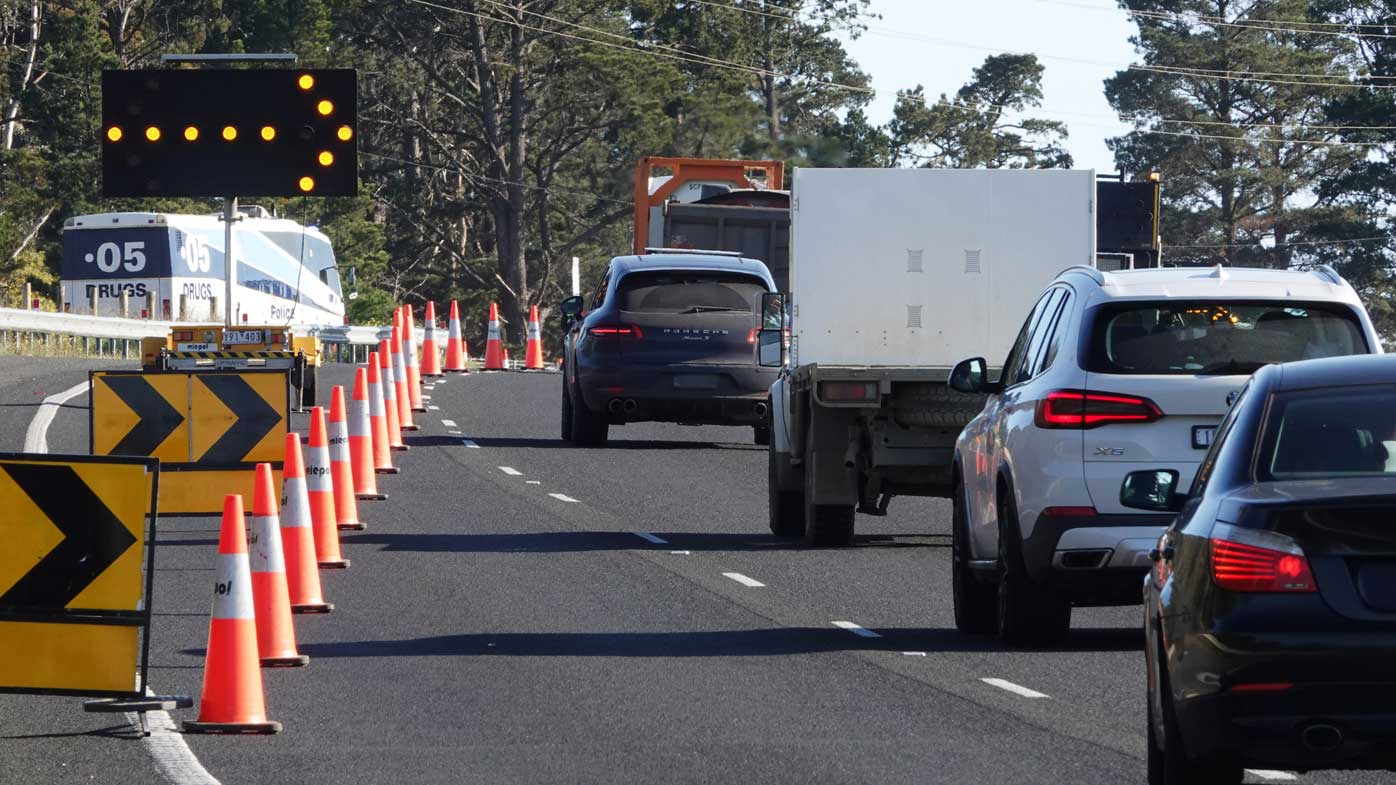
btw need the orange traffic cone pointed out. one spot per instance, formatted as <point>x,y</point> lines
<point>456,351</point>
<point>297,536</point>
<point>404,400</point>
<point>494,348</point>
<point>319,486</point>
<point>276,636</point>
<point>533,352</point>
<point>378,418</point>
<point>431,353</point>
<point>389,387</point>
<point>361,441</point>
<point>409,358</point>
<point>346,508</point>
<point>232,695</point>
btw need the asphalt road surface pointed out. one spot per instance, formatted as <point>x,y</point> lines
<point>520,611</point>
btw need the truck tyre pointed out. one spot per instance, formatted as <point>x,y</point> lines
<point>566,412</point>
<point>933,405</point>
<point>588,428</point>
<point>826,525</point>
<point>786,509</point>
<point>1029,615</point>
<point>761,434</point>
<point>976,604</point>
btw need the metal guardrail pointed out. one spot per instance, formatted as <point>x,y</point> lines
<point>35,332</point>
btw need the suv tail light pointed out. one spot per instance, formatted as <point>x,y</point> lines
<point>615,331</point>
<point>1252,567</point>
<point>1081,409</point>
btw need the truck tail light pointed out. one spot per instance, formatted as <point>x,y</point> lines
<point>844,392</point>
<point>1239,566</point>
<point>184,335</point>
<point>1081,409</point>
<point>615,331</point>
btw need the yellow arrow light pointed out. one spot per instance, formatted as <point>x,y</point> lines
<point>229,133</point>
<point>114,134</point>
<point>191,133</point>
<point>326,158</point>
<point>305,82</point>
<point>152,133</point>
<point>325,107</point>
<point>268,133</point>
<point>306,184</point>
<point>345,133</point>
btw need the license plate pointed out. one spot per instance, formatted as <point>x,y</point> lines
<point>1203,435</point>
<point>195,347</point>
<point>696,381</point>
<point>242,337</point>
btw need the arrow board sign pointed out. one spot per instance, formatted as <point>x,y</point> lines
<point>203,418</point>
<point>74,572</point>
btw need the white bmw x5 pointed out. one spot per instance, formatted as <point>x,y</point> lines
<point>1113,372</point>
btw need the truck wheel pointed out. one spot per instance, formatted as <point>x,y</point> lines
<point>588,429</point>
<point>976,604</point>
<point>566,412</point>
<point>932,405</point>
<point>785,508</point>
<point>826,525</point>
<point>1029,615</point>
<point>761,434</point>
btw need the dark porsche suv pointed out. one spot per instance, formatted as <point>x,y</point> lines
<point>668,337</point>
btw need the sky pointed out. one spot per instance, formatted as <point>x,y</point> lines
<point>937,43</point>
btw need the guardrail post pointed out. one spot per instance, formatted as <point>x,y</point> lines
<point>125,304</point>
<point>92,299</point>
<point>184,307</point>
<point>28,296</point>
<point>150,305</point>
<point>60,297</point>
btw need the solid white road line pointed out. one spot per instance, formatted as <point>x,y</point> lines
<point>856,629</point>
<point>449,423</point>
<point>743,580</point>
<point>1277,776</point>
<point>511,471</point>
<point>431,407</point>
<point>562,497</point>
<point>36,438</point>
<point>426,397</point>
<point>651,538</point>
<point>1016,689</point>
<point>165,744</point>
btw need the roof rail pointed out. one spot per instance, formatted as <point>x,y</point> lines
<point>694,252</point>
<point>1327,271</point>
<point>1086,270</point>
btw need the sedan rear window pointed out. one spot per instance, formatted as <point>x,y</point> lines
<point>677,291</point>
<point>1218,337</point>
<point>1337,432</point>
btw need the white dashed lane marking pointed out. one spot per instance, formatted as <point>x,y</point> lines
<point>1016,689</point>
<point>856,629</point>
<point>1275,776</point>
<point>562,497</point>
<point>533,482</point>
<point>651,538</point>
<point>449,423</point>
<point>511,471</point>
<point>744,580</point>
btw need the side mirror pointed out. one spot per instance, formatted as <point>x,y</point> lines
<point>972,377</point>
<point>1154,490</point>
<point>772,311</point>
<point>770,338</point>
<point>571,308</point>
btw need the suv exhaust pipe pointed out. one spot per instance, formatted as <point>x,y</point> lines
<point>1321,737</point>
<point>759,408</point>
<point>614,406</point>
<point>630,406</point>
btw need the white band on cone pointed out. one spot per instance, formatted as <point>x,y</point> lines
<point>358,418</point>
<point>494,331</point>
<point>375,400</point>
<point>232,588</point>
<point>317,469</point>
<point>295,504</point>
<point>264,544</point>
<point>339,443</point>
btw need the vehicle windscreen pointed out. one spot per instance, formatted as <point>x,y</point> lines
<point>1198,337</point>
<point>679,291</point>
<point>1340,432</point>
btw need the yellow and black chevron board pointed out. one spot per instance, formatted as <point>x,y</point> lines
<point>208,428</point>
<point>75,573</point>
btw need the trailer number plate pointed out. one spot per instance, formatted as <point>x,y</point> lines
<point>231,337</point>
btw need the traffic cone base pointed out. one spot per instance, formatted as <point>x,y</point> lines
<point>312,608</point>
<point>372,497</point>
<point>297,534</point>
<point>385,470</point>
<point>337,564</point>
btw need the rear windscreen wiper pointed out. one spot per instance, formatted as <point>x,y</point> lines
<point>708,309</point>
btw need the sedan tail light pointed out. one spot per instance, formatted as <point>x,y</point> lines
<point>1080,409</point>
<point>615,331</point>
<point>1249,567</point>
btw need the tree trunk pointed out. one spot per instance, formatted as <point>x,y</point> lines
<point>12,111</point>
<point>512,267</point>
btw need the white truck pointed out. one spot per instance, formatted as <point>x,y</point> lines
<point>897,274</point>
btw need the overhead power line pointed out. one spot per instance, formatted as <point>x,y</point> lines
<point>1349,241</point>
<point>484,178</point>
<point>673,53</point>
<point>1262,25</point>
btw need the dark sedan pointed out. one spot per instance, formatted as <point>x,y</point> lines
<point>1270,613</point>
<point>668,337</point>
